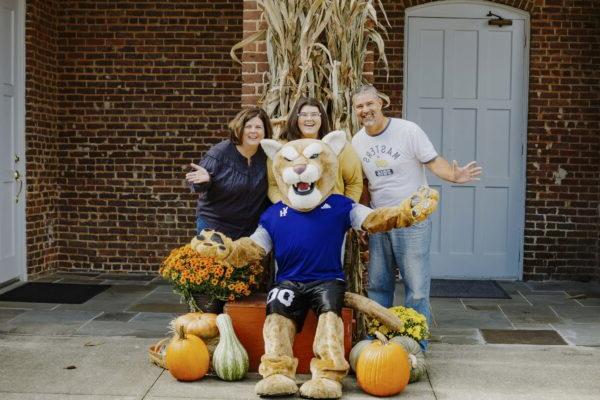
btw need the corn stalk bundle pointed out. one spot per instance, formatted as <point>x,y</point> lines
<point>353,27</point>
<point>316,48</point>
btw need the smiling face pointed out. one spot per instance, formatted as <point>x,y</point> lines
<point>305,169</point>
<point>367,107</point>
<point>254,132</point>
<point>309,121</point>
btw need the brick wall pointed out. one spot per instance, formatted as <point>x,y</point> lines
<point>124,94</point>
<point>564,134</point>
<point>562,223</point>
<point>41,135</point>
<point>253,56</point>
<point>144,88</point>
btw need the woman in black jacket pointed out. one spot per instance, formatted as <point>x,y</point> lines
<point>231,178</point>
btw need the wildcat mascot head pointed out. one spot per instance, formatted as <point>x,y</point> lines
<point>305,169</point>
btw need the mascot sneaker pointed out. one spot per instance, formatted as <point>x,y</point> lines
<point>275,386</point>
<point>321,388</point>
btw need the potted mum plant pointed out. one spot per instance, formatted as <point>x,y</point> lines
<point>206,284</point>
<point>415,325</point>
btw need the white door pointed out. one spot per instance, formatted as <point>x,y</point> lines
<point>464,87</point>
<point>12,163</point>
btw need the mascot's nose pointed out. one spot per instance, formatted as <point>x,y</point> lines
<point>300,168</point>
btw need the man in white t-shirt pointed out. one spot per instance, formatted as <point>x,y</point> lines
<point>394,153</point>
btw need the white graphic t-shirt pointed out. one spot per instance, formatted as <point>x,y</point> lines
<point>393,161</point>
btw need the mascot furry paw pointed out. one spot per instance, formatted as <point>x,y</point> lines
<point>306,232</point>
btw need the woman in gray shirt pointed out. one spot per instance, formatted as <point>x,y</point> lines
<point>231,178</point>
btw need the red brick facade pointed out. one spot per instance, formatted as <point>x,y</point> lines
<point>126,94</point>
<point>122,95</point>
<point>42,136</point>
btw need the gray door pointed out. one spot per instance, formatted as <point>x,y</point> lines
<point>12,212</point>
<point>464,88</point>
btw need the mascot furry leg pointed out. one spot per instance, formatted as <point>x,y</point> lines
<point>329,365</point>
<point>278,364</point>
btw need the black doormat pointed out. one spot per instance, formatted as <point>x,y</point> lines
<point>467,289</point>
<point>521,336</point>
<point>44,292</point>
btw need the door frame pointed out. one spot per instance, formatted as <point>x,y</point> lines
<point>21,225</point>
<point>477,9</point>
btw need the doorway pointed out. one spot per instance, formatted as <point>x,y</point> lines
<point>12,138</point>
<point>466,86</point>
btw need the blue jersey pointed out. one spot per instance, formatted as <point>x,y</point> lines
<point>308,245</point>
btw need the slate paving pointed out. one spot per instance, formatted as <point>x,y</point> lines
<point>6,314</point>
<point>142,325</point>
<point>52,323</point>
<point>522,315</point>
<point>142,306</point>
<point>115,298</point>
<point>577,314</point>
<point>579,334</point>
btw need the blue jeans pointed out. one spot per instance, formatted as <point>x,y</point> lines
<point>200,224</point>
<point>407,249</point>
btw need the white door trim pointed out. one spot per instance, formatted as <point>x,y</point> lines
<point>479,9</point>
<point>464,9</point>
<point>19,121</point>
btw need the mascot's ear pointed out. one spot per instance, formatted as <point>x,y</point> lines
<point>270,147</point>
<point>336,140</point>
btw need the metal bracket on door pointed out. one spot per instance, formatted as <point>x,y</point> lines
<point>498,21</point>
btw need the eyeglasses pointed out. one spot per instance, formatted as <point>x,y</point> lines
<point>309,115</point>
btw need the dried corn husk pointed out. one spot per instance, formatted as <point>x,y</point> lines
<point>317,48</point>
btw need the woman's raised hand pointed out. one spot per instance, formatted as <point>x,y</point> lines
<point>198,175</point>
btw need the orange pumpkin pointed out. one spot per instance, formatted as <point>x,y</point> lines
<point>187,357</point>
<point>383,368</point>
<point>203,325</point>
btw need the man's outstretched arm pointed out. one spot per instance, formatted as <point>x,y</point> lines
<point>454,173</point>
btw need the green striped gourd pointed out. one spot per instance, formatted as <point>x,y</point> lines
<point>230,359</point>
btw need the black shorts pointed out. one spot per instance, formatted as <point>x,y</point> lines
<point>293,299</point>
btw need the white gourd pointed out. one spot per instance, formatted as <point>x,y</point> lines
<point>230,359</point>
<point>355,352</point>
<point>416,354</point>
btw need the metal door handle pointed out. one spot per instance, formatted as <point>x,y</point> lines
<point>18,179</point>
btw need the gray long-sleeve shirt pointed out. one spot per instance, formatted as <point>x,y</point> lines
<point>236,195</point>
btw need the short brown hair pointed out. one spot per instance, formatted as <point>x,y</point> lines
<point>368,88</point>
<point>292,132</point>
<point>236,126</point>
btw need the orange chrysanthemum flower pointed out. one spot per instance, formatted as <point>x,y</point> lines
<point>190,272</point>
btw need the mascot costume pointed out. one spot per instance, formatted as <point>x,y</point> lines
<point>306,231</point>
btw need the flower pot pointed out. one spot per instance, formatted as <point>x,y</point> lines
<point>207,303</point>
